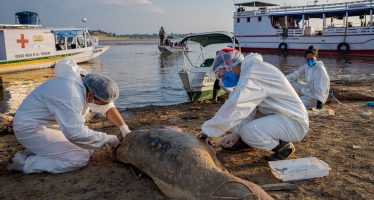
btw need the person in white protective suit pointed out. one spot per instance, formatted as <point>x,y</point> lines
<point>218,83</point>
<point>50,122</point>
<point>315,90</point>
<point>264,111</point>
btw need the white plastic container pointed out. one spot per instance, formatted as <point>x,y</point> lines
<point>298,169</point>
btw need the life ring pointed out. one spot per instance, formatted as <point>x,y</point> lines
<point>343,48</point>
<point>282,47</point>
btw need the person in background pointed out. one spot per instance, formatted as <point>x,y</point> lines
<point>311,81</point>
<point>167,42</point>
<point>264,111</point>
<point>162,35</point>
<point>50,121</point>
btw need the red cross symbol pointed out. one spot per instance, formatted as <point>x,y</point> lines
<point>23,41</point>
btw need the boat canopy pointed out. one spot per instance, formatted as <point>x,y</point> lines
<point>67,33</point>
<point>205,39</point>
<point>255,4</point>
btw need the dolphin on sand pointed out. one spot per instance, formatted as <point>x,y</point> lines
<point>183,166</point>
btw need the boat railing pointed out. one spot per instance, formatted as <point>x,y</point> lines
<point>290,32</point>
<point>350,30</point>
<point>308,9</point>
<point>19,26</point>
<point>328,31</point>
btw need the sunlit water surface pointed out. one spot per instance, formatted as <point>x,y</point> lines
<point>146,77</point>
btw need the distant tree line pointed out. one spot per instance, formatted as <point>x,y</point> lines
<point>137,35</point>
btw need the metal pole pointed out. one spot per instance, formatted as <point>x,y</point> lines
<point>85,39</point>
<point>346,19</point>
<point>303,20</point>
<point>324,20</point>
<point>285,22</point>
<point>346,27</point>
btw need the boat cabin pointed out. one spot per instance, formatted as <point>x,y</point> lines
<point>19,41</point>
<point>72,39</point>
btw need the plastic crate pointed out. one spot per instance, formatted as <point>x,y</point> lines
<point>298,169</point>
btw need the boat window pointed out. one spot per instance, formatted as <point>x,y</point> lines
<point>248,19</point>
<point>263,10</point>
<point>80,41</point>
<point>60,43</point>
<point>277,22</point>
<point>237,20</point>
<point>70,43</point>
<point>241,9</point>
<point>259,18</point>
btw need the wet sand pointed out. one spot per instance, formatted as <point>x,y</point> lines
<point>344,141</point>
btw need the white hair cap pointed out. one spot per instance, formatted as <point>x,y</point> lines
<point>103,88</point>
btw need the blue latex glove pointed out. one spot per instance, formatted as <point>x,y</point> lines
<point>319,105</point>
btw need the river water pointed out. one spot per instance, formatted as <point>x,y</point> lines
<point>146,77</point>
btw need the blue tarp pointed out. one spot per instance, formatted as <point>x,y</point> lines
<point>67,33</point>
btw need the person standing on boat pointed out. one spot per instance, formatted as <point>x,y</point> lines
<point>50,121</point>
<point>264,111</point>
<point>162,35</point>
<point>315,90</point>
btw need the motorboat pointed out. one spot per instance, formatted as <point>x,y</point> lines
<point>170,47</point>
<point>196,79</point>
<point>27,46</point>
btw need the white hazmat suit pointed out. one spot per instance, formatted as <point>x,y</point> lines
<point>50,124</point>
<point>316,86</point>
<point>261,87</point>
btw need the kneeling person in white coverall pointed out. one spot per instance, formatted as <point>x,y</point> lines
<point>261,89</point>
<point>315,90</point>
<point>64,101</point>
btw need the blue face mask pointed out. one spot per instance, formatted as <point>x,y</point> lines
<point>229,79</point>
<point>310,63</point>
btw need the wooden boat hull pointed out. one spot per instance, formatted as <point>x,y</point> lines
<point>170,50</point>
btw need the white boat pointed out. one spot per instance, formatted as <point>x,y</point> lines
<point>26,47</point>
<point>196,79</point>
<point>338,28</point>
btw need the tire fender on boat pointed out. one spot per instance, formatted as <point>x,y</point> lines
<point>343,48</point>
<point>283,46</point>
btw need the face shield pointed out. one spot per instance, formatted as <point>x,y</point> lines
<point>225,60</point>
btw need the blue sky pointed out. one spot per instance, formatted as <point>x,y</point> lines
<point>135,16</point>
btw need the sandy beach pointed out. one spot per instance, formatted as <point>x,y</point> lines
<point>344,141</point>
